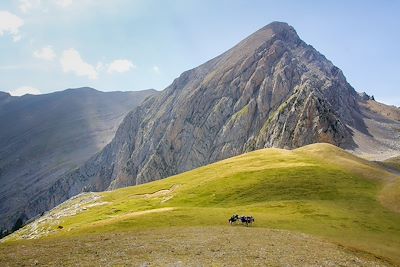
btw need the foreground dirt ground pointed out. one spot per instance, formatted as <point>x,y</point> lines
<point>191,246</point>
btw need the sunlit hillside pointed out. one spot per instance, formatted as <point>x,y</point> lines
<point>341,203</point>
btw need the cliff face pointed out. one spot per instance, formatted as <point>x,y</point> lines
<point>44,136</point>
<point>270,90</point>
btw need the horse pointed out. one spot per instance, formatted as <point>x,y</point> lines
<point>233,219</point>
<point>247,220</point>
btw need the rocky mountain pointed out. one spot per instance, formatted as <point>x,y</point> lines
<point>43,136</point>
<point>270,90</point>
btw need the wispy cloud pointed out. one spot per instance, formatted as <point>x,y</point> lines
<point>71,61</point>
<point>10,24</point>
<point>23,90</point>
<point>45,53</point>
<point>156,69</point>
<point>26,5</point>
<point>100,66</point>
<point>120,65</point>
<point>17,38</point>
<point>64,3</point>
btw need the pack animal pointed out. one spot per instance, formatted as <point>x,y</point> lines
<point>246,220</point>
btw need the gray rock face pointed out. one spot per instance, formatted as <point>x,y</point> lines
<point>43,136</point>
<point>364,96</point>
<point>270,90</point>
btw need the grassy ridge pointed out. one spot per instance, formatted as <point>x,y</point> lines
<point>319,190</point>
<point>393,163</point>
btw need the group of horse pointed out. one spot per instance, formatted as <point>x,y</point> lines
<point>246,220</point>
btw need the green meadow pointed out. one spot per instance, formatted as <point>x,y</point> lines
<point>318,190</point>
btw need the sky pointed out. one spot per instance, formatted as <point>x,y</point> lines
<point>124,45</point>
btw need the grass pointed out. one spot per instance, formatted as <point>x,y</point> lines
<point>240,114</point>
<point>393,163</point>
<point>318,190</point>
<point>189,246</point>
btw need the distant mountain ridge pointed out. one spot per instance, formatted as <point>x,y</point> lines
<point>270,90</point>
<point>42,136</point>
<point>4,96</point>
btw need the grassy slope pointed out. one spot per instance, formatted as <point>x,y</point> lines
<point>390,195</point>
<point>393,163</point>
<point>319,190</point>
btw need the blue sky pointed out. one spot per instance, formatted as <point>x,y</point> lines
<point>51,45</point>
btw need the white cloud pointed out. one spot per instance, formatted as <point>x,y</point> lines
<point>10,23</point>
<point>46,53</point>
<point>71,61</point>
<point>16,38</point>
<point>100,66</point>
<point>26,5</point>
<point>156,69</point>
<point>120,65</point>
<point>25,90</point>
<point>64,3</point>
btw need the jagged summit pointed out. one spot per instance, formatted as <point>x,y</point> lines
<point>262,38</point>
<point>365,96</point>
<point>279,27</point>
<point>270,90</point>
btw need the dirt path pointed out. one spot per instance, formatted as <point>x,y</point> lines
<point>192,246</point>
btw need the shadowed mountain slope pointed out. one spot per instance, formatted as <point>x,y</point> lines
<point>43,136</point>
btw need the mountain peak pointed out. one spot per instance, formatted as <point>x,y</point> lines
<point>282,30</point>
<point>275,30</point>
<point>278,26</point>
<point>270,42</point>
<point>81,89</point>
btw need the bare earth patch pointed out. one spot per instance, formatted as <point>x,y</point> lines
<point>47,223</point>
<point>165,194</point>
<point>191,246</point>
